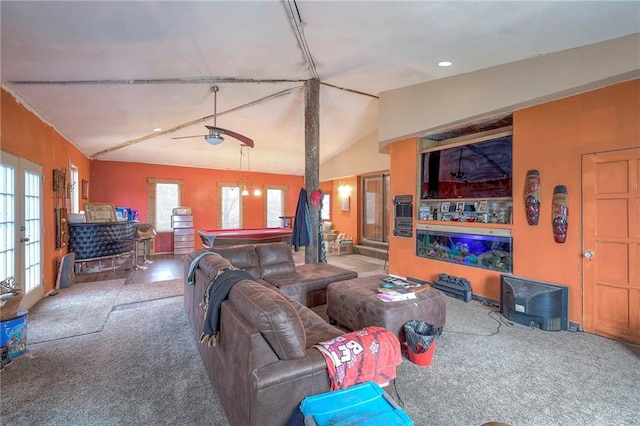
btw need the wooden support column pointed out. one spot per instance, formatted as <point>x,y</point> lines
<point>312,160</point>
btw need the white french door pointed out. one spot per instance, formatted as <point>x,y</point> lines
<point>21,226</point>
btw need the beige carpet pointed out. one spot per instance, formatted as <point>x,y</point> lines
<point>134,293</point>
<point>84,308</point>
<point>80,309</point>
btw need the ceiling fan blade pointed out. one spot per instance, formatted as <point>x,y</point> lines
<point>188,137</point>
<point>242,138</point>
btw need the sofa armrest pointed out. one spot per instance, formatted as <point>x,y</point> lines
<point>311,367</point>
<point>284,385</point>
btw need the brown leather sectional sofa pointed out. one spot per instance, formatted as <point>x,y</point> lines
<point>273,263</point>
<point>264,363</point>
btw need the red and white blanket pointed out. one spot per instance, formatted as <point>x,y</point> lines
<point>370,354</point>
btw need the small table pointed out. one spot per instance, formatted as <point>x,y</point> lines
<point>353,304</point>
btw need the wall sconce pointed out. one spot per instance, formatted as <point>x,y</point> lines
<point>344,190</point>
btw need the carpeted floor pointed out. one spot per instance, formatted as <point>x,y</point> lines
<point>132,293</point>
<point>84,308</point>
<point>80,309</point>
<point>142,367</point>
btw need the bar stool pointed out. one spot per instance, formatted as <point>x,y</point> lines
<point>146,233</point>
<point>134,255</point>
<point>143,234</point>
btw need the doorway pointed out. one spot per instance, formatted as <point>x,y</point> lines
<point>21,226</point>
<point>611,244</point>
<point>376,208</point>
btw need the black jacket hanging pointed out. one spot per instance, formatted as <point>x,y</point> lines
<point>301,232</point>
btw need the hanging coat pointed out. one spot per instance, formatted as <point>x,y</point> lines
<point>301,232</point>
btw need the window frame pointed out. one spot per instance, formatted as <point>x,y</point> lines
<point>241,213</point>
<point>74,193</point>
<point>285,201</point>
<point>152,215</point>
<point>326,202</point>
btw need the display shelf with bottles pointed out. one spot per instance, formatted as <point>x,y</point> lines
<point>493,210</point>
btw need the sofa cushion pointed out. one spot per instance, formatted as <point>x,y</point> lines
<point>273,316</point>
<point>275,259</point>
<point>242,257</point>
<point>310,277</point>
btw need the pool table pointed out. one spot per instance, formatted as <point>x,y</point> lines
<point>230,237</point>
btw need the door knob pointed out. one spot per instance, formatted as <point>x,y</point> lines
<point>589,254</point>
<point>24,240</point>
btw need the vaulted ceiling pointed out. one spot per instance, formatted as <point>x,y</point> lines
<point>105,74</point>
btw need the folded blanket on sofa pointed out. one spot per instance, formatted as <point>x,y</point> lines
<point>191,275</point>
<point>216,293</point>
<point>370,354</point>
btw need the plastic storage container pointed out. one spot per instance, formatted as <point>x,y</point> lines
<point>13,334</point>
<point>363,404</point>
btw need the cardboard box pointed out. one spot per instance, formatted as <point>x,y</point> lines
<point>341,249</point>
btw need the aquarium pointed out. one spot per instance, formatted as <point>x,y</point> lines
<point>482,251</point>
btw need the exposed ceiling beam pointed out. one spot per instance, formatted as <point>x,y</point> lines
<point>293,13</point>
<point>350,90</point>
<point>194,80</point>
<point>196,121</point>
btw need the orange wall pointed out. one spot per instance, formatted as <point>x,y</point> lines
<point>346,222</point>
<point>552,138</point>
<point>125,185</point>
<point>26,136</point>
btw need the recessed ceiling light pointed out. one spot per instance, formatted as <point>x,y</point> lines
<point>445,64</point>
<point>157,129</point>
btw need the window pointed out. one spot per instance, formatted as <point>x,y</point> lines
<point>167,197</point>
<point>229,206</point>
<point>164,195</point>
<point>75,193</point>
<point>326,207</point>
<point>275,207</point>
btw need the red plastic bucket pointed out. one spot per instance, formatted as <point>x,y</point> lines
<point>423,359</point>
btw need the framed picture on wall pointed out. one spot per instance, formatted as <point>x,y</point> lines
<point>460,207</point>
<point>482,207</point>
<point>345,203</point>
<point>100,212</point>
<point>444,207</point>
<point>85,189</point>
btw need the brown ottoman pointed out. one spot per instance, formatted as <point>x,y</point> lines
<point>353,304</point>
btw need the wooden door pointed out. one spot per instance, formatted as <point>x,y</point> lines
<point>376,208</point>
<point>611,244</point>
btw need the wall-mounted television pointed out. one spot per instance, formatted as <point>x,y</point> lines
<point>477,170</point>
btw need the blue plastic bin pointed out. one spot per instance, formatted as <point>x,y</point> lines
<point>363,404</point>
<point>13,333</point>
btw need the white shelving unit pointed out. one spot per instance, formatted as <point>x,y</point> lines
<point>183,235</point>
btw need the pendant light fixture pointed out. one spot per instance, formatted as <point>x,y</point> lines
<point>244,190</point>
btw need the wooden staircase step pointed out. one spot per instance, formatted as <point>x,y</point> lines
<point>375,252</point>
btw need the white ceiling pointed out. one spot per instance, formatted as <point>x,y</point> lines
<point>104,74</point>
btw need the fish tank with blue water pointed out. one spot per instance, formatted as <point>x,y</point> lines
<point>481,251</point>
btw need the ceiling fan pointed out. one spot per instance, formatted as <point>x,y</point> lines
<point>459,175</point>
<point>215,133</point>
